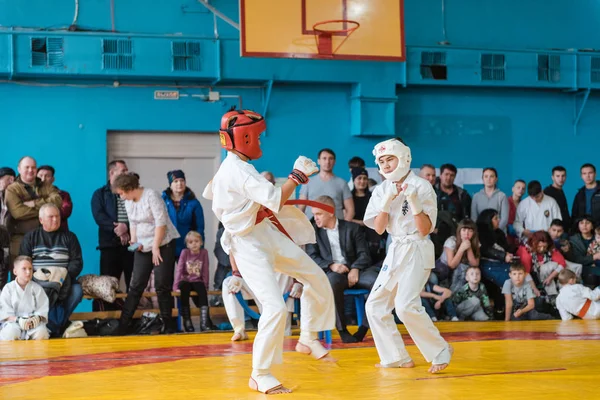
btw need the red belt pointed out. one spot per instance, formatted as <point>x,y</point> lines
<point>267,213</point>
<point>585,308</point>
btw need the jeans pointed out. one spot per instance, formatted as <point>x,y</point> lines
<point>163,282</point>
<point>58,316</point>
<point>496,272</point>
<point>431,311</point>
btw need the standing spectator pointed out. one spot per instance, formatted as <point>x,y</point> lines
<point>109,213</point>
<point>427,172</point>
<point>7,176</point>
<point>536,212</point>
<point>450,197</point>
<point>587,199</point>
<point>154,235</point>
<point>490,197</point>
<point>559,177</point>
<point>325,183</point>
<point>518,190</point>
<point>354,162</point>
<point>46,174</point>
<point>24,198</point>
<point>184,208</point>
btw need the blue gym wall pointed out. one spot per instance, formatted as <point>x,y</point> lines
<point>520,125</point>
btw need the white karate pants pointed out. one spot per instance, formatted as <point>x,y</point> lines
<point>405,271</point>
<point>12,331</point>
<point>258,255</point>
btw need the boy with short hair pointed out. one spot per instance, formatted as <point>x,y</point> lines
<point>23,305</point>
<point>520,303</point>
<point>471,300</point>
<point>575,299</point>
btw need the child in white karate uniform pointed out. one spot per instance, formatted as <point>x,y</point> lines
<point>405,205</point>
<point>576,300</point>
<point>23,305</point>
<point>251,208</point>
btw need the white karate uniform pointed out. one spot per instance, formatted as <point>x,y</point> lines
<point>18,302</point>
<point>534,216</point>
<point>261,250</point>
<point>405,271</point>
<point>234,309</point>
<point>571,299</point>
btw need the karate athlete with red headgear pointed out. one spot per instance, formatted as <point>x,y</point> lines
<point>246,203</point>
<point>406,206</point>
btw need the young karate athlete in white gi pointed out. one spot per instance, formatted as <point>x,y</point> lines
<point>405,205</point>
<point>575,299</point>
<point>246,203</point>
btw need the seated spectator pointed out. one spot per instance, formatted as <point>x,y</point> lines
<point>562,244</point>
<point>460,252</point>
<point>518,190</point>
<point>191,274</point>
<point>342,251</point>
<point>471,300</point>
<point>23,305</point>
<point>50,247</point>
<point>433,297</point>
<point>543,262</point>
<point>361,196</point>
<point>325,183</point>
<point>372,184</point>
<point>24,197</point>
<point>536,212</point>
<point>580,243</point>
<point>559,177</point>
<point>496,253</point>
<point>490,197</point>
<point>450,197</point>
<point>7,176</point>
<point>427,172</point>
<point>594,247</point>
<point>153,234</point>
<point>183,207</point>
<point>576,300</point>
<point>46,174</point>
<point>519,297</point>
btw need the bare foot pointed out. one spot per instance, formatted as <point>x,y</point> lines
<point>304,349</point>
<point>239,336</point>
<point>435,368</point>
<point>410,364</point>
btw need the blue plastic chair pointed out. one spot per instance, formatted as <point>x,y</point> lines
<point>359,302</point>
<point>250,312</point>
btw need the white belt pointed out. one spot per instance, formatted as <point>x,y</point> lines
<point>399,240</point>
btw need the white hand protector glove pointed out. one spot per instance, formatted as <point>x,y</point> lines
<point>235,284</point>
<point>413,199</point>
<point>306,166</point>
<point>34,321</point>
<point>296,291</point>
<point>23,323</point>
<point>389,194</point>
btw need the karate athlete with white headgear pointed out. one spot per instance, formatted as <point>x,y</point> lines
<point>406,206</point>
<point>263,236</point>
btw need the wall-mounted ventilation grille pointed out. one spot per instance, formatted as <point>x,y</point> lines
<point>47,52</point>
<point>595,70</point>
<point>186,56</point>
<point>548,68</point>
<point>493,67</point>
<point>433,65</point>
<point>117,54</point>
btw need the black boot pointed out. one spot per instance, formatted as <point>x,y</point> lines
<point>185,314</point>
<point>167,326</point>
<point>205,324</point>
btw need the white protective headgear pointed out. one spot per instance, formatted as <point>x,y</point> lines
<point>394,147</point>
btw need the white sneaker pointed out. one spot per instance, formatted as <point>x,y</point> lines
<point>454,319</point>
<point>434,319</point>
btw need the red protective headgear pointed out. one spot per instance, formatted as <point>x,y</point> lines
<point>240,130</point>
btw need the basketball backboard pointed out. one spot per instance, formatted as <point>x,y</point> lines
<point>285,29</point>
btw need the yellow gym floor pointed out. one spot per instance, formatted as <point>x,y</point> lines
<point>493,360</point>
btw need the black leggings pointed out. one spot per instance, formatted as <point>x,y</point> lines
<point>198,287</point>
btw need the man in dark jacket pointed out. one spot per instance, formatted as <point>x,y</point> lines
<point>587,199</point>
<point>49,247</point>
<point>109,213</point>
<point>343,253</point>
<point>450,197</point>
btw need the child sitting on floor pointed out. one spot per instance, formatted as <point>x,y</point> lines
<point>23,305</point>
<point>519,296</point>
<point>471,300</point>
<point>575,299</point>
<point>433,297</point>
<point>192,274</point>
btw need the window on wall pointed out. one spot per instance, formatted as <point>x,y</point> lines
<point>117,54</point>
<point>433,65</point>
<point>493,67</point>
<point>186,56</point>
<point>548,68</point>
<point>595,70</point>
<point>47,51</point>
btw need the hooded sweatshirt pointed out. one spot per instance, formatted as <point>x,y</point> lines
<point>497,201</point>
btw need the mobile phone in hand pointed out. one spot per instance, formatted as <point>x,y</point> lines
<point>134,247</point>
